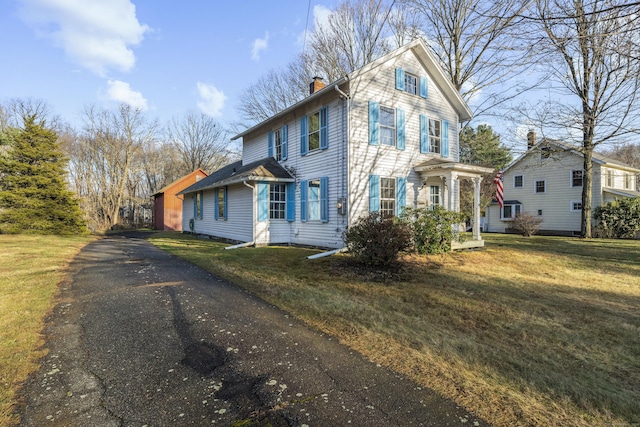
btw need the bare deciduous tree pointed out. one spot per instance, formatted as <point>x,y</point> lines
<point>475,44</point>
<point>593,54</point>
<point>201,142</point>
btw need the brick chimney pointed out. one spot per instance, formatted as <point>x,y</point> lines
<point>531,139</point>
<point>316,85</point>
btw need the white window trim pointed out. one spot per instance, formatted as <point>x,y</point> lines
<point>416,86</point>
<point>571,178</point>
<point>513,209</point>
<point>572,203</point>
<point>535,186</point>
<point>514,181</point>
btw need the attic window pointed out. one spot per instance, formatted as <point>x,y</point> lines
<point>410,84</point>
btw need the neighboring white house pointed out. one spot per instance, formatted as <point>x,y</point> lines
<point>383,137</point>
<point>546,182</point>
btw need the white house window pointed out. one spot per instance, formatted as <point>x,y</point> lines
<point>577,178</point>
<point>610,178</point>
<point>434,196</point>
<point>518,181</point>
<point>387,196</point>
<point>510,211</point>
<point>387,126</point>
<point>314,199</point>
<point>277,143</point>
<point>221,203</point>
<point>576,205</point>
<point>277,201</point>
<point>314,131</point>
<point>628,182</point>
<point>541,186</point>
<point>434,136</point>
<point>410,83</point>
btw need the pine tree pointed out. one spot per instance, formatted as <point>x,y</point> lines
<point>33,193</point>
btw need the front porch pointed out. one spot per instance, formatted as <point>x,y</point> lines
<point>446,174</point>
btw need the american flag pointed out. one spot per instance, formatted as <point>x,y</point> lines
<point>499,188</point>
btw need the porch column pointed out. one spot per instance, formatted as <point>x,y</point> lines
<point>454,202</point>
<point>476,208</point>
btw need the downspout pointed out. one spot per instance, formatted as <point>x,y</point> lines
<point>345,151</point>
<point>328,253</point>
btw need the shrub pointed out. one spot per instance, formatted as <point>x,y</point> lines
<point>432,229</point>
<point>619,219</point>
<point>377,240</point>
<point>526,224</point>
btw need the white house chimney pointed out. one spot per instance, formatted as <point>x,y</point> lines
<point>531,139</point>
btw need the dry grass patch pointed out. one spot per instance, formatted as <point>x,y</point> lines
<point>530,331</point>
<point>30,268</point>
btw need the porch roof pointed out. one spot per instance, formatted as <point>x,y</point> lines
<point>622,193</point>
<point>262,170</point>
<point>436,166</point>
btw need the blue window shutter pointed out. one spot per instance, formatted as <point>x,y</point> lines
<point>374,123</point>
<point>324,199</point>
<point>263,201</point>
<point>374,193</point>
<point>304,189</point>
<point>291,201</point>
<point>270,145</point>
<point>400,132</point>
<point>216,193</point>
<point>324,128</point>
<point>201,204</point>
<point>285,142</point>
<point>445,138</point>
<point>224,198</point>
<point>304,136</point>
<point>399,79</point>
<point>402,195</point>
<point>424,87</point>
<point>424,134</point>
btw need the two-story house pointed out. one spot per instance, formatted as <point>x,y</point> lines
<point>546,182</point>
<point>383,137</point>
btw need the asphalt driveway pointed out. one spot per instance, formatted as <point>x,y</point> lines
<point>142,338</point>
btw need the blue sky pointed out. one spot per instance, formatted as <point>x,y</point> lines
<point>165,57</point>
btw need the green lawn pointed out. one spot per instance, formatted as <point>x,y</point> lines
<point>30,269</point>
<point>537,331</point>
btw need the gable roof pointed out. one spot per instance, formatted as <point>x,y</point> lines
<point>419,47</point>
<point>598,158</point>
<point>264,170</point>
<point>177,181</point>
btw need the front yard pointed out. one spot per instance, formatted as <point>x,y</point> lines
<point>530,331</point>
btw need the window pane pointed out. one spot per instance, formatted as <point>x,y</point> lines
<point>387,126</point>
<point>506,211</point>
<point>314,141</point>
<point>576,178</point>
<point>540,186</point>
<point>314,122</point>
<point>434,136</point>
<point>314,200</point>
<point>410,84</point>
<point>277,142</point>
<point>518,181</point>
<point>277,201</point>
<point>387,196</point>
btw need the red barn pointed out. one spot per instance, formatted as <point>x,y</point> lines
<point>167,206</point>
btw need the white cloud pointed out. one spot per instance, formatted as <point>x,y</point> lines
<point>211,99</point>
<point>122,92</point>
<point>259,45</point>
<point>96,34</point>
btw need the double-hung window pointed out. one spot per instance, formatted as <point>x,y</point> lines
<point>609,178</point>
<point>314,134</point>
<point>510,211</point>
<point>197,205</point>
<point>434,196</point>
<point>540,186</point>
<point>518,181</point>
<point>387,195</point>
<point>434,136</point>
<point>314,200</point>
<point>277,201</point>
<point>577,178</point>
<point>387,126</point>
<point>411,83</point>
<point>278,146</point>
<point>221,203</point>
<point>628,182</point>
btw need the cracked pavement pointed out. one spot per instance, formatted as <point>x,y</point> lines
<point>139,338</point>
